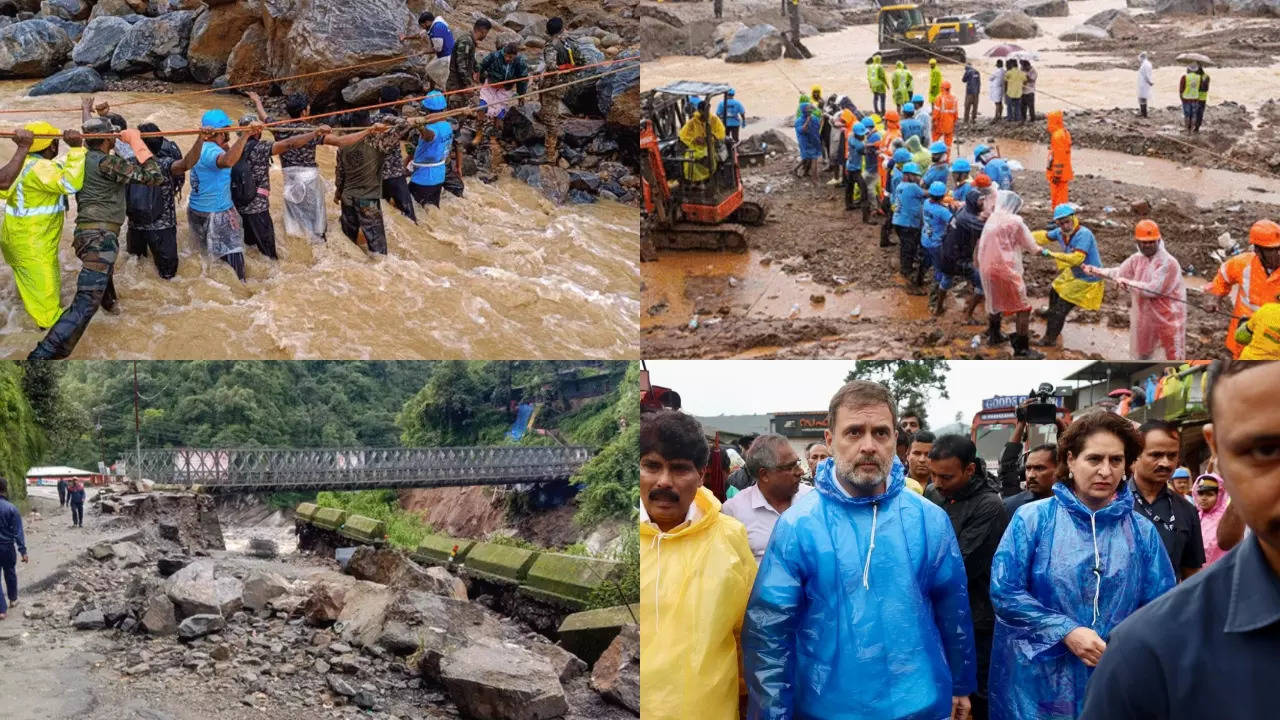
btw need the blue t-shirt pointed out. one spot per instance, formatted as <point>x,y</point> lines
<point>909,198</point>
<point>935,216</point>
<point>1082,241</point>
<point>210,184</point>
<point>731,112</point>
<point>440,30</point>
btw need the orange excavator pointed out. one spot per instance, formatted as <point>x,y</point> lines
<point>691,201</point>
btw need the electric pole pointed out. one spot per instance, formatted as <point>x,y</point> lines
<point>137,425</point>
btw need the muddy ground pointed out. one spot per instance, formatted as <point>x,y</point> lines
<point>1233,42</point>
<point>829,253</point>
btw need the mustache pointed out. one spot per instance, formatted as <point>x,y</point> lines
<point>669,495</point>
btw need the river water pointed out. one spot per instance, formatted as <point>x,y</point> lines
<point>481,277</point>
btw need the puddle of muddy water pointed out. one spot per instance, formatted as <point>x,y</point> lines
<point>236,538</point>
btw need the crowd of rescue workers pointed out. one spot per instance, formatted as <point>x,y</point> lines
<point>885,572</point>
<point>120,174</point>
<point>957,219</point>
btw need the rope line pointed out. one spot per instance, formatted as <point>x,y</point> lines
<point>290,123</point>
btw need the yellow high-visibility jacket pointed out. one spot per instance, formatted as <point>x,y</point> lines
<point>34,209</point>
<point>694,586</point>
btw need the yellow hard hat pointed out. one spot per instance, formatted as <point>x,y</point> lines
<point>815,90</point>
<point>41,127</point>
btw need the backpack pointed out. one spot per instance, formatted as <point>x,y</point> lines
<point>243,187</point>
<point>575,52</point>
<point>956,252</point>
<point>144,205</point>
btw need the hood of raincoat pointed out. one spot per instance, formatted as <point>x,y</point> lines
<point>913,144</point>
<point>885,570</point>
<point>1210,519</point>
<point>1005,237</point>
<point>900,65</point>
<point>1054,120</point>
<point>1158,308</point>
<point>694,585</point>
<point>1044,585</point>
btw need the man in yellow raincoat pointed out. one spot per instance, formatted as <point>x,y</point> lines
<point>35,187</point>
<point>1076,246</point>
<point>696,571</point>
<point>694,136</point>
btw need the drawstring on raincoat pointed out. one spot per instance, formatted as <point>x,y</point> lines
<point>656,544</point>
<point>866,568</point>
<point>1097,566</point>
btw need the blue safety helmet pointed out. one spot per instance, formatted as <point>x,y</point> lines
<point>1062,211</point>
<point>918,99</point>
<point>434,101</point>
<point>730,92</point>
<point>937,189</point>
<point>859,131</point>
<point>215,119</point>
<point>979,151</point>
<point>874,137</point>
<point>960,166</point>
<point>909,109</point>
<point>938,148</point>
<point>911,169</point>
<point>901,156</point>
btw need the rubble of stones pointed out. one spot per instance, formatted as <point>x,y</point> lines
<point>390,638</point>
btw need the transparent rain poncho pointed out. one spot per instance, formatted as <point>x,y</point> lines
<point>1004,238</point>
<point>1157,302</point>
<point>1044,585</point>
<point>860,609</point>
<point>304,198</point>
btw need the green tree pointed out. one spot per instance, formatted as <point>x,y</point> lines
<point>910,381</point>
<point>22,439</point>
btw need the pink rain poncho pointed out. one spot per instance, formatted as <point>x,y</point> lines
<point>1004,238</point>
<point>1209,520</point>
<point>1156,318</point>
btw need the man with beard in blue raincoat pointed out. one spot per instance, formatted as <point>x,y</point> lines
<point>860,607</point>
<point>1068,570</point>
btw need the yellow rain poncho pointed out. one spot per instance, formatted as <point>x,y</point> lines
<point>1073,284</point>
<point>34,209</point>
<point>694,586</point>
<point>694,136</point>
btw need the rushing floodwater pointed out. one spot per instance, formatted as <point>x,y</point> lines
<point>500,273</point>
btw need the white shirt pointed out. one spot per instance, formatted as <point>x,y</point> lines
<point>1145,83</point>
<point>752,509</point>
<point>690,517</point>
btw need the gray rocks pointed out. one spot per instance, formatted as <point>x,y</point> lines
<point>158,618</point>
<point>759,43</point>
<point>387,566</point>
<point>195,590</point>
<point>117,8</point>
<point>367,91</point>
<point>151,40</point>
<point>616,675</point>
<point>1117,23</point>
<point>173,68</point>
<point>503,683</point>
<point>170,565</point>
<point>551,180</point>
<point>324,604</point>
<point>91,619</point>
<point>1012,25</point>
<point>1044,8</point>
<point>525,23</point>
<point>66,9</point>
<point>1257,8</point>
<point>127,554</point>
<point>32,48</point>
<point>261,588</point>
<point>200,625</point>
<point>261,547</point>
<point>100,551</point>
<point>97,43</point>
<point>1084,33</point>
<point>340,686</point>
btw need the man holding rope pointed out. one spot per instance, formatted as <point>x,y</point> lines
<point>100,211</point>
<point>501,66</point>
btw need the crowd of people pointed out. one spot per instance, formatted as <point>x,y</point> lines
<point>121,179</point>
<point>1042,589</point>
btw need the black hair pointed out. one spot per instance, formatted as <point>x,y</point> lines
<point>426,17</point>
<point>296,104</point>
<point>510,48</point>
<point>357,118</point>
<point>924,436</point>
<point>1049,448</point>
<point>483,23</point>
<point>809,447</point>
<point>675,436</point>
<point>554,26</point>
<point>388,93</point>
<point>999,63</point>
<point>954,446</point>
<point>1163,426</point>
<point>1220,369</point>
<point>153,143</point>
<point>118,120</point>
<point>906,437</point>
<point>4,488</point>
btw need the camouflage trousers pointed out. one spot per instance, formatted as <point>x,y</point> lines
<point>550,118</point>
<point>96,249</point>
<point>364,217</point>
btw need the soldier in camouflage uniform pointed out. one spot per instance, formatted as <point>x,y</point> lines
<point>358,174</point>
<point>555,54</point>
<point>100,211</point>
<point>462,64</point>
<point>395,183</point>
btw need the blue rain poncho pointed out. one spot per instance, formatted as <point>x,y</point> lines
<point>1043,586</point>
<point>859,610</point>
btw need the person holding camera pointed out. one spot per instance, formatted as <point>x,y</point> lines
<point>1037,470</point>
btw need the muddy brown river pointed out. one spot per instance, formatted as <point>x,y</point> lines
<point>501,272</point>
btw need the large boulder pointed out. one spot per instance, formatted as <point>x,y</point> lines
<point>503,683</point>
<point>1185,7</point>
<point>758,43</point>
<point>616,674</point>
<point>116,8</point>
<point>200,625</point>
<point>1044,8</point>
<point>1259,8</point>
<point>1084,33</point>
<point>99,41</point>
<point>367,91</point>
<point>261,588</point>
<point>158,618</point>
<point>71,80</point>
<point>196,591</point>
<point>213,35</point>
<point>248,59</point>
<point>525,23</point>
<point>1012,25</point>
<point>1118,24</point>
<point>32,48</point>
<point>305,36</point>
<point>151,40</point>
<point>126,554</point>
<point>67,9</point>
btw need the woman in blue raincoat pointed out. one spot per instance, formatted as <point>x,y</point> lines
<point>1069,569</point>
<point>808,126</point>
<point>860,609</point>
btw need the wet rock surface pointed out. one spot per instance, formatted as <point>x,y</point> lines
<point>71,80</point>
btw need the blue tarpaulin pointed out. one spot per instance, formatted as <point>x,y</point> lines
<point>521,425</point>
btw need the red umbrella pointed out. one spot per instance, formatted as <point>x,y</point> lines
<point>1003,50</point>
<point>1122,392</point>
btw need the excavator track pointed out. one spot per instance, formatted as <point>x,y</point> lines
<point>691,236</point>
<point>750,213</point>
<point>891,55</point>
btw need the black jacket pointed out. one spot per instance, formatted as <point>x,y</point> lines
<point>979,519</point>
<point>1011,469</point>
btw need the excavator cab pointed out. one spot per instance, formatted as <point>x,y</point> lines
<point>905,34</point>
<point>693,197</point>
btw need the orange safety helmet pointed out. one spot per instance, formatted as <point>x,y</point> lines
<point>946,84</point>
<point>1146,230</point>
<point>1265,233</point>
<point>891,115</point>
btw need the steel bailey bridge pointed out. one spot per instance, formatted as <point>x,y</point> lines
<point>263,469</point>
